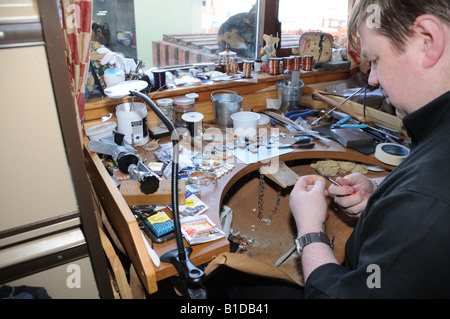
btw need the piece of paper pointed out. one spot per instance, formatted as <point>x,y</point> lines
<point>194,206</point>
<point>263,153</point>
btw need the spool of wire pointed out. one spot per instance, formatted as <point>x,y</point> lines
<point>247,69</point>
<point>159,79</point>
<point>307,63</point>
<point>296,62</point>
<point>287,64</point>
<point>274,66</point>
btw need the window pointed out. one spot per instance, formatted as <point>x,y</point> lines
<point>186,32</point>
<point>176,32</point>
<point>113,25</point>
<point>300,16</point>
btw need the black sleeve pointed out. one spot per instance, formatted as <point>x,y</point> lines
<point>399,249</point>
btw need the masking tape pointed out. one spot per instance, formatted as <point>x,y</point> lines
<point>391,153</point>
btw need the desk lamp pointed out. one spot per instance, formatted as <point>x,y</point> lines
<point>178,257</point>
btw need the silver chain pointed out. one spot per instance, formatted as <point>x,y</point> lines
<point>260,200</point>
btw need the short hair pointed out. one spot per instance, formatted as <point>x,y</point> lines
<point>394,18</point>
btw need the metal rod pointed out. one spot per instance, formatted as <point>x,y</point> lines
<point>315,122</point>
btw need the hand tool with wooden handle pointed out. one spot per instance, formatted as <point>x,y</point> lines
<point>340,107</point>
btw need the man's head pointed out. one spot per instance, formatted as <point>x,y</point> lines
<point>408,45</point>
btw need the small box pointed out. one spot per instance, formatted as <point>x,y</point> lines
<point>352,137</point>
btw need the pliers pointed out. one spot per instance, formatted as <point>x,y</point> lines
<point>302,142</point>
<point>341,124</point>
<point>293,115</point>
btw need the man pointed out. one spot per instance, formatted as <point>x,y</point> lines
<point>400,247</point>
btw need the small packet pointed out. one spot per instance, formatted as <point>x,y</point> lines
<point>200,229</point>
<point>159,226</point>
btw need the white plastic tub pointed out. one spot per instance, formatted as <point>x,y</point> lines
<point>245,123</point>
<point>96,132</point>
<point>132,122</point>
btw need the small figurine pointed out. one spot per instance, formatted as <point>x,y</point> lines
<point>268,51</point>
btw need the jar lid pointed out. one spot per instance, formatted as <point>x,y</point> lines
<point>114,71</point>
<point>183,100</point>
<point>159,71</point>
<point>164,102</point>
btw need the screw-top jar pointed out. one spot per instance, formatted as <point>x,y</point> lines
<point>182,104</point>
<point>166,106</point>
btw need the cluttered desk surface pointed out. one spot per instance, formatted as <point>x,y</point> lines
<point>228,158</point>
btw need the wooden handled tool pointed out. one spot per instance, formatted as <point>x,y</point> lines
<point>340,107</point>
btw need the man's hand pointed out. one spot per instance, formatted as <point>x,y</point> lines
<point>309,207</point>
<point>308,204</point>
<point>352,204</point>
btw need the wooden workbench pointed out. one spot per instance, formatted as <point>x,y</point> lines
<point>121,216</point>
<point>212,195</point>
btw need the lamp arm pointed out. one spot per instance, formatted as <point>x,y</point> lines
<point>175,160</point>
<point>179,257</point>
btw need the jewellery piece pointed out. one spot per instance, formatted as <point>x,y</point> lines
<point>202,178</point>
<point>151,146</point>
<point>310,238</point>
<point>253,148</point>
<point>231,146</point>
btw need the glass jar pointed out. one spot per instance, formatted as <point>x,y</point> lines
<point>228,59</point>
<point>182,104</point>
<point>257,66</point>
<point>166,106</point>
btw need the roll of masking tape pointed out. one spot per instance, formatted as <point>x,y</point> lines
<point>391,153</point>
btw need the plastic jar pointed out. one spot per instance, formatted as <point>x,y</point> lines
<point>132,122</point>
<point>182,104</point>
<point>257,66</point>
<point>96,132</point>
<point>166,106</point>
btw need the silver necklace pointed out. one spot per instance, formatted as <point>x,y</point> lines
<point>268,221</point>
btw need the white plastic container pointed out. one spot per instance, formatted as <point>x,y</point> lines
<point>113,76</point>
<point>193,121</point>
<point>96,132</point>
<point>245,123</point>
<point>132,122</point>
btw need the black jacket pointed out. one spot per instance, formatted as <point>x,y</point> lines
<point>400,247</point>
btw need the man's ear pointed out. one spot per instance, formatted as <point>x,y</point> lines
<point>430,31</point>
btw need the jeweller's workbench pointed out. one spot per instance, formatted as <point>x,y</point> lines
<point>223,172</point>
<point>227,172</point>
